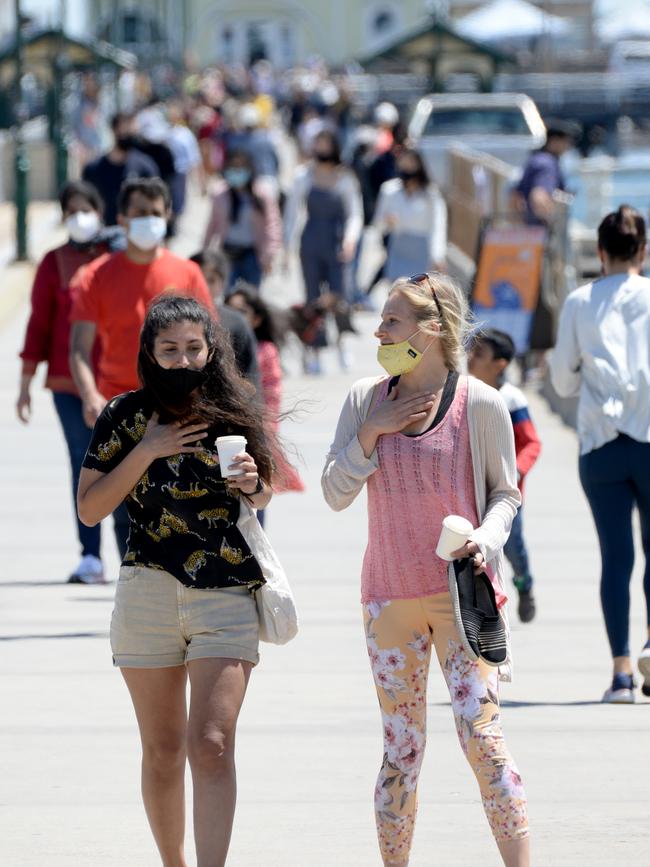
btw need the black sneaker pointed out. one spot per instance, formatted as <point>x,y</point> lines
<point>463,599</point>
<point>481,629</point>
<point>493,648</point>
<point>526,607</point>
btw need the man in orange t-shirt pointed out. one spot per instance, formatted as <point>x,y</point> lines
<point>111,297</point>
<point>112,294</point>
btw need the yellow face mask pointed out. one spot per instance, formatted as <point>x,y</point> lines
<point>399,358</point>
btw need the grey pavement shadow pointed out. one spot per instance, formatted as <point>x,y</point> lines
<point>102,634</point>
<point>516,704</point>
<point>31,583</point>
<point>549,703</point>
<point>91,599</point>
<point>47,584</point>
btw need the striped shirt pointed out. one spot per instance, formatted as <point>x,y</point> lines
<point>527,442</point>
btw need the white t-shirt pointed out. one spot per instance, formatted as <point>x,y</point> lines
<point>421,213</point>
<point>603,355</point>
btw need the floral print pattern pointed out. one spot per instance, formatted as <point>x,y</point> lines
<point>400,635</point>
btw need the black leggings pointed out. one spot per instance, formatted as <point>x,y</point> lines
<point>615,478</point>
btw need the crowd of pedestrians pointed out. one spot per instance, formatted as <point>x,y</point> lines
<point>151,356</point>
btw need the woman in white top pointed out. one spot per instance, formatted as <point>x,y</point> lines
<point>413,213</point>
<point>603,355</point>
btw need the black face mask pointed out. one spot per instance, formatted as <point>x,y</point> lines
<point>324,158</point>
<point>126,142</point>
<point>409,176</point>
<point>173,385</point>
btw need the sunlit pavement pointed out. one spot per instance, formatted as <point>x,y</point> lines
<point>309,736</point>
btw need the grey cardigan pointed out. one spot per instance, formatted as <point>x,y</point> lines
<point>492,446</point>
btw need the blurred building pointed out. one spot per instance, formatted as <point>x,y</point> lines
<point>573,9</point>
<point>578,13</point>
<point>6,17</point>
<point>154,30</point>
<point>286,32</point>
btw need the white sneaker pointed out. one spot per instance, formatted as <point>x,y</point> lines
<point>312,365</point>
<point>621,691</point>
<point>644,669</point>
<point>346,359</point>
<point>89,571</point>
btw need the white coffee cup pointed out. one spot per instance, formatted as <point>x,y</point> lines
<point>228,448</point>
<point>456,530</point>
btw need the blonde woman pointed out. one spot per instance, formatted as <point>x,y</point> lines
<point>429,442</point>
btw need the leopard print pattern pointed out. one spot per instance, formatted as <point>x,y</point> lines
<point>213,516</point>
<point>232,555</point>
<point>169,524</point>
<point>195,562</point>
<point>107,451</point>
<point>139,427</point>
<point>141,488</point>
<point>178,494</point>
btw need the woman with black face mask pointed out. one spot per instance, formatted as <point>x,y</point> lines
<point>411,210</point>
<point>183,605</point>
<point>327,197</point>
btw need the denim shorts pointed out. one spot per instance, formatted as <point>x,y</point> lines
<point>159,622</point>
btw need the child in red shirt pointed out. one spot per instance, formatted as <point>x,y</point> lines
<point>257,313</point>
<point>491,353</point>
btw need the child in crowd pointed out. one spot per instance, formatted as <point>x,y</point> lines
<point>246,300</point>
<point>491,353</point>
<point>214,266</point>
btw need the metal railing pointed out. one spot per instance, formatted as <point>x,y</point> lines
<point>479,191</point>
<point>479,188</point>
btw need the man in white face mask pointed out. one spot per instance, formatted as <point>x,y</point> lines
<point>47,339</point>
<point>112,296</point>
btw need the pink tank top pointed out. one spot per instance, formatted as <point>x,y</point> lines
<point>420,480</point>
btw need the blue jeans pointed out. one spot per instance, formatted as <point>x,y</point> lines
<point>246,268</point>
<point>615,478</point>
<point>322,266</point>
<point>517,554</point>
<point>77,437</point>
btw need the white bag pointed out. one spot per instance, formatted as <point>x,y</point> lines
<point>276,607</point>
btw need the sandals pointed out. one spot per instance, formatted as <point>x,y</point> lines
<point>480,627</point>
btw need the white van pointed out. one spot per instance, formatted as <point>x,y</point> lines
<point>505,125</point>
<point>631,57</point>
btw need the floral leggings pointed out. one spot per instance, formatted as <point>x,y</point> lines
<point>399,635</point>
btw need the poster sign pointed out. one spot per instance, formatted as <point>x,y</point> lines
<point>508,277</point>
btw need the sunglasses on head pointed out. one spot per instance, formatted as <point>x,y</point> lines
<point>417,279</point>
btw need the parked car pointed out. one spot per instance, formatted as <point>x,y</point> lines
<point>505,125</point>
<point>631,57</point>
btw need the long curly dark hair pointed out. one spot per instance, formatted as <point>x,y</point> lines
<point>225,400</point>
